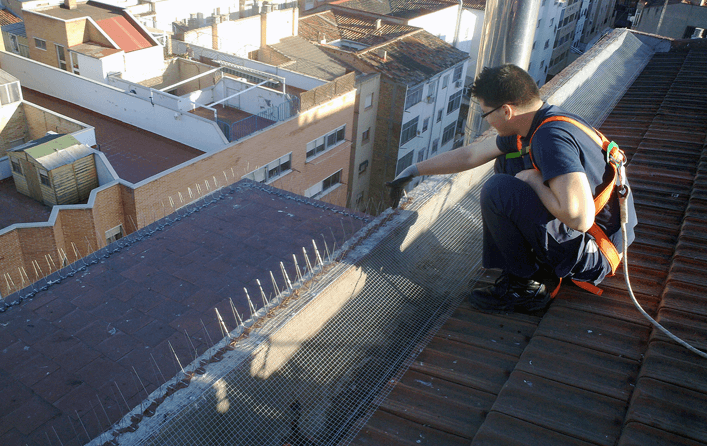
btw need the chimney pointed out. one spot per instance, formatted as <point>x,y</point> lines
<point>264,27</point>
<point>379,23</point>
<point>70,4</point>
<point>214,36</point>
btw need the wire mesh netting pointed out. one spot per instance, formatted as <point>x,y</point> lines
<point>317,368</point>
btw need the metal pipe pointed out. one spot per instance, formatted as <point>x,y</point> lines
<point>506,37</point>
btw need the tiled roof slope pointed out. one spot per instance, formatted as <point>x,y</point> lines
<point>309,59</point>
<point>336,24</point>
<point>413,58</point>
<point>591,371</point>
<point>398,8</point>
<point>6,18</point>
<point>81,353</point>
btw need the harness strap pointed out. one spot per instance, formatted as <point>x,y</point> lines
<point>614,156</point>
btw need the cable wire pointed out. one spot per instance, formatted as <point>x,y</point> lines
<point>622,202</point>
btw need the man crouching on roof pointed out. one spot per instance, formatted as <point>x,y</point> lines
<point>538,209</point>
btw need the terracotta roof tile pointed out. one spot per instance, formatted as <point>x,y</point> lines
<point>593,370</point>
<point>7,18</point>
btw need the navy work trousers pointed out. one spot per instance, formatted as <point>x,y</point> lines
<point>521,236</point>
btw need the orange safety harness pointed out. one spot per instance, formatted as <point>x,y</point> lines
<point>616,159</point>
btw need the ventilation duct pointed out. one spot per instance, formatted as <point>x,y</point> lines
<point>506,37</point>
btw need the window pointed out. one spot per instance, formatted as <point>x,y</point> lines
<point>534,43</point>
<point>61,56</point>
<point>547,43</point>
<point>425,124</point>
<point>368,102</point>
<point>542,63</point>
<point>435,145</point>
<point>326,142</point>
<point>421,156</point>
<point>362,167</point>
<point>454,101</point>
<point>320,188</point>
<point>432,89</point>
<point>272,170</point>
<point>445,81</point>
<point>552,21</point>
<point>404,162</point>
<point>40,44</point>
<point>409,130</point>
<point>44,178</point>
<point>457,73</point>
<point>439,115</point>
<point>538,25</point>
<point>16,167</point>
<point>9,93</point>
<point>114,234</point>
<point>414,96</point>
<point>366,135</point>
<point>448,133</point>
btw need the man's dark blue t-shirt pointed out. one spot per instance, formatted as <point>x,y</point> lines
<point>560,148</point>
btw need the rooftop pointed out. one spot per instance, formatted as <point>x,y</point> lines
<point>397,8</point>
<point>116,325</point>
<point>7,18</point>
<point>135,154</point>
<point>309,59</point>
<point>335,24</point>
<point>591,370</point>
<point>414,58</point>
<point>96,11</point>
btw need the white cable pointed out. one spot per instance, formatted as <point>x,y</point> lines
<point>635,301</point>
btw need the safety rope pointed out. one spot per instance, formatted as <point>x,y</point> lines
<point>624,220</point>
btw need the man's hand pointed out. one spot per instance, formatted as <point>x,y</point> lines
<point>531,176</point>
<point>398,184</point>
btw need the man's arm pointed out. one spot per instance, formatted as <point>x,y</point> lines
<point>459,160</point>
<point>568,197</point>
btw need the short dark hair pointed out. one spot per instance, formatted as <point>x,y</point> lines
<point>506,84</point>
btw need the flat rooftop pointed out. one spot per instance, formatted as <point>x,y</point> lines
<point>135,154</point>
<point>18,208</point>
<point>104,336</point>
<point>96,12</point>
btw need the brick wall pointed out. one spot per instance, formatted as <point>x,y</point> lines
<point>387,137</point>
<point>12,126</point>
<point>48,29</point>
<point>40,122</point>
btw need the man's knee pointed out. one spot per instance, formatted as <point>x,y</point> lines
<point>497,190</point>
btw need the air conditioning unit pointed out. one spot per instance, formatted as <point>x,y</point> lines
<point>458,84</point>
<point>430,99</point>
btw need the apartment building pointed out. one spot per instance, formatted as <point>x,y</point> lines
<point>459,23</point>
<point>421,84</point>
<point>289,130</point>
<point>599,20</point>
<point>91,39</point>
<point>554,37</point>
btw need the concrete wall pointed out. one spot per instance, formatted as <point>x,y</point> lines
<point>677,18</point>
<point>193,131</point>
<point>366,87</point>
<point>144,63</point>
<point>13,126</point>
<point>295,79</point>
<point>244,35</point>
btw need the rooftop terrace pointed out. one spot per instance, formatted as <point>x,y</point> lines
<point>135,154</point>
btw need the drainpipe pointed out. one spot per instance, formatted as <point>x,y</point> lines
<point>459,22</point>
<point>506,37</point>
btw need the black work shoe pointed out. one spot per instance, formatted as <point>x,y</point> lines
<point>511,294</point>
